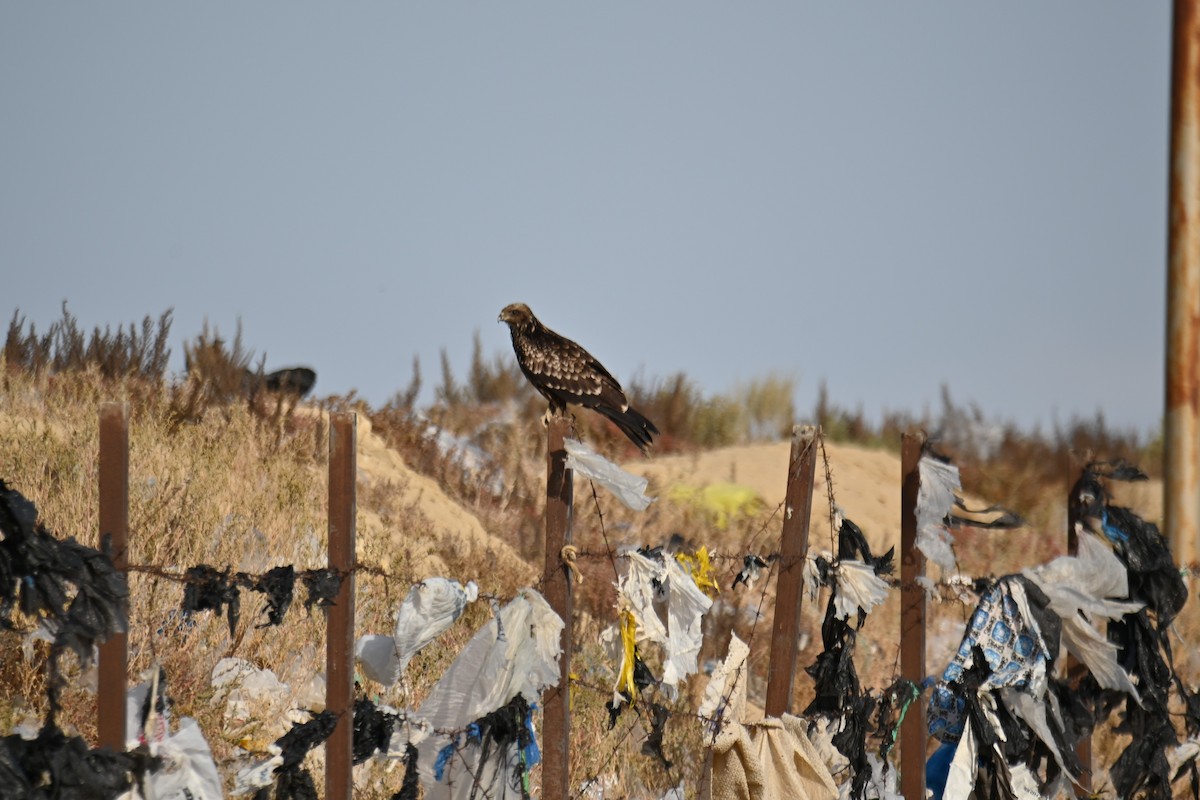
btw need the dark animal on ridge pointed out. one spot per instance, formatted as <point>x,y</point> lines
<point>297,381</point>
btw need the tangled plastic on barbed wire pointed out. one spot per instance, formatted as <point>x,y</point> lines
<point>323,586</point>
<point>630,489</point>
<point>514,654</point>
<point>428,611</point>
<point>82,600</point>
<point>278,585</point>
<point>939,483</point>
<point>285,769</point>
<point>210,589</point>
<point>855,576</point>
<point>74,589</point>
<point>1142,635</point>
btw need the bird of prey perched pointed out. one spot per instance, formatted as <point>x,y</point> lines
<point>566,373</point>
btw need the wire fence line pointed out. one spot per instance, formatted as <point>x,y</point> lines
<point>208,588</point>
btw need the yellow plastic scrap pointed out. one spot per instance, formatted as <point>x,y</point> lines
<point>701,569</point>
<point>720,502</point>
<point>625,684</point>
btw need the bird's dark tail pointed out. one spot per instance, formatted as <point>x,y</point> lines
<point>632,424</point>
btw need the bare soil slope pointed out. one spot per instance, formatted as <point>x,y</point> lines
<point>866,483</point>
<point>388,487</point>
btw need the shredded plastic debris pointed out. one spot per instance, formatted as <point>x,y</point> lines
<point>323,586</point>
<point>652,577</point>
<point>285,769</point>
<point>515,654</point>
<point>209,589</point>
<point>277,584</point>
<point>935,498</point>
<point>430,608</point>
<point>751,571</point>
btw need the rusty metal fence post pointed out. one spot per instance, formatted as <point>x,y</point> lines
<point>556,705</point>
<point>339,643</point>
<point>793,549</point>
<point>1181,430</point>
<point>912,618</point>
<point>114,521</point>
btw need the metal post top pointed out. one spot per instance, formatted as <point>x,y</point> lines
<point>805,431</point>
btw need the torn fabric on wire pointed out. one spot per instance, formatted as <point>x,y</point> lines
<point>725,696</point>
<point>994,709</point>
<point>630,489</point>
<point>1004,631</point>
<point>769,759</point>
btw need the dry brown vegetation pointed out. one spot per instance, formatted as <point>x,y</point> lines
<point>233,478</point>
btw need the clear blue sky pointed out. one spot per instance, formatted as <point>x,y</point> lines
<point>887,196</point>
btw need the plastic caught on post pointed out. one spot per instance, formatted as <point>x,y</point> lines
<point>630,489</point>
<point>935,499</point>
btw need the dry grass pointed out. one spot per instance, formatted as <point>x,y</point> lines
<point>127,352</point>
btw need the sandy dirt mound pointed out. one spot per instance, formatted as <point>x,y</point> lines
<point>866,483</point>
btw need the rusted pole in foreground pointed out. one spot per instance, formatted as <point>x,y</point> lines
<point>114,521</point>
<point>789,592</point>
<point>339,637</point>
<point>912,618</point>
<point>1181,484</point>
<point>556,706</point>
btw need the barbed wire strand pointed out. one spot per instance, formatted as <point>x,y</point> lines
<point>829,491</point>
<point>604,533</point>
